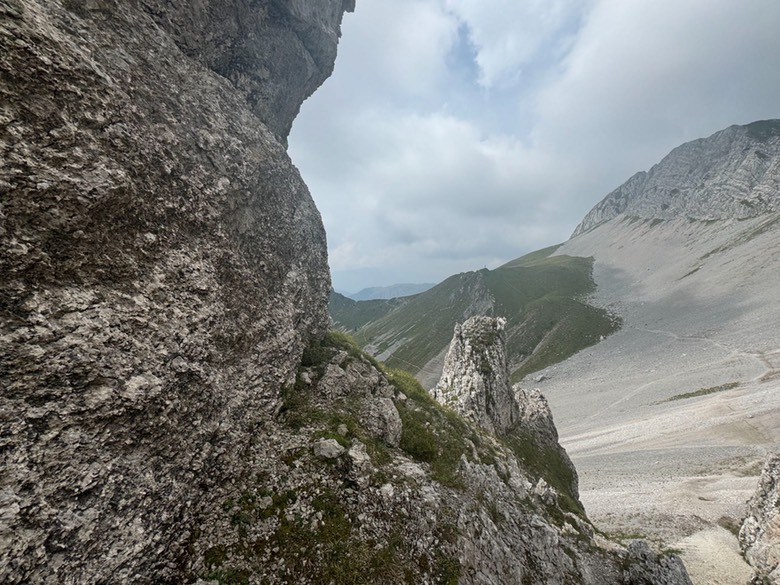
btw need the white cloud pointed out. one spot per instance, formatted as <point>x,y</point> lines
<point>509,34</point>
<point>649,75</point>
<point>420,173</point>
<point>396,49</point>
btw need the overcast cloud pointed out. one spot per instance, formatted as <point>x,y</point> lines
<point>460,134</point>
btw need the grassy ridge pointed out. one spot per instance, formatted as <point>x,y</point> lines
<point>351,315</point>
<point>541,296</point>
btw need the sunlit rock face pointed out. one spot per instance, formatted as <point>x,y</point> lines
<point>163,266</point>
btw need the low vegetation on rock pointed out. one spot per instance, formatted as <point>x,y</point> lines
<point>543,297</point>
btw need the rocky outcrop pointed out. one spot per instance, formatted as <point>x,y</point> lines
<point>729,175</point>
<point>329,498</point>
<point>475,381</point>
<point>163,268</point>
<point>275,53</point>
<point>759,536</point>
<point>475,384</point>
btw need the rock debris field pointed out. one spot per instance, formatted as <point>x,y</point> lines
<point>669,420</point>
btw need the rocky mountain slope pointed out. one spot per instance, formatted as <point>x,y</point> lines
<point>689,383</point>
<point>759,536</point>
<point>732,174</point>
<point>172,410</point>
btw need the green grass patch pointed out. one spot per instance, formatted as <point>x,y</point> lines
<point>325,552</point>
<point>548,462</point>
<point>351,315</point>
<point>432,433</point>
<point>540,295</point>
<point>703,392</point>
<point>533,257</point>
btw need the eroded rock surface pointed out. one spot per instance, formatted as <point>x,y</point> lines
<point>170,412</point>
<point>474,381</point>
<point>759,537</point>
<point>729,175</point>
<point>163,266</point>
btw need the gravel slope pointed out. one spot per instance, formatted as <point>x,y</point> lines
<point>700,308</point>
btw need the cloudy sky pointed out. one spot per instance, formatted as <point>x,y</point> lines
<point>460,134</point>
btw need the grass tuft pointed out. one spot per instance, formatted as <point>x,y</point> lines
<point>703,392</point>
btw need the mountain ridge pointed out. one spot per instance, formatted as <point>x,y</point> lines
<point>392,291</point>
<point>731,174</point>
<point>542,297</point>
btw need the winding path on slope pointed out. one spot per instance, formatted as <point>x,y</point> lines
<point>762,358</point>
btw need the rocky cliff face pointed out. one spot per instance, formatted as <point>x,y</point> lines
<point>759,537</point>
<point>475,381</point>
<point>163,267</point>
<point>729,175</point>
<point>171,409</point>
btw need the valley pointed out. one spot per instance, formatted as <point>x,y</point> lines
<point>669,412</point>
<point>654,457</point>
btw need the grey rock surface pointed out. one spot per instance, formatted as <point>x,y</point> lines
<point>328,449</point>
<point>496,521</point>
<point>759,536</point>
<point>475,381</point>
<point>729,175</point>
<point>644,566</point>
<point>163,266</point>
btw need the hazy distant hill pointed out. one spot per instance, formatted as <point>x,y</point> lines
<point>393,291</point>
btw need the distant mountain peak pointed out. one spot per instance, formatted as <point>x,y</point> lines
<point>729,175</point>
<point>393,291</point>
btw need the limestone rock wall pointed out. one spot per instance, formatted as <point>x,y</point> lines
<point>729,175</point>
<point>163,266</point>
<point>474,381</point>
<point>501,540</point>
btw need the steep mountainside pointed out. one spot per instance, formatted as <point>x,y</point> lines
<point>541,297</point>
<point>692,377</point>
<point>172,409</point>
<point>733,174</point>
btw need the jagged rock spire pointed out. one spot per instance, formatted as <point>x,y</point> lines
<point>475,379</point>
